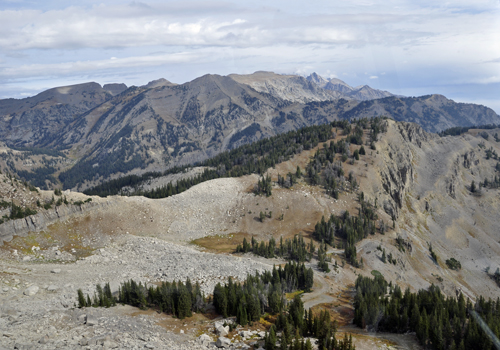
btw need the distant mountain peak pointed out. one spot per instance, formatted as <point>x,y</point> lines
<point>115,88</point>
<point>360,93</point>
<point>317,79</point>
<point>159,82</point>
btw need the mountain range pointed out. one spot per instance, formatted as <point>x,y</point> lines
<point>103,132</point>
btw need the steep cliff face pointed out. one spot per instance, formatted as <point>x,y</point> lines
<point>396,169</point>
<point>43,219</point>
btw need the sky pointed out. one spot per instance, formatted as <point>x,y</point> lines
<point>410,48</point>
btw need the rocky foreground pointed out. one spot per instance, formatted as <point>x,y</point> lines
<point>38,298</point>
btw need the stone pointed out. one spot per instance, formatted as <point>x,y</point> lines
<point>26,258</point>
<point>30,291</point>
<point>204,339</point>
<point>82,318</point>
<point>52,288</point>
<point>108,344</point>
<point>246,334</point>
<point>56,271</point>
<point>223,342</point>
<point>91,320</point>
<point>222,331</point>
<point>44,339</point>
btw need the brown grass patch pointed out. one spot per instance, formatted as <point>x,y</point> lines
<point>222,243</point>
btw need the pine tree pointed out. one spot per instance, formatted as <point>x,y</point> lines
<point>270,343</point>
<point>283,342</point>
<point>81,299</point>
<point>184,302</point>
<point>262,216</point>
<point>242,315</point>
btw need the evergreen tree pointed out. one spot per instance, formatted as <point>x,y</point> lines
<point>473,186</point>
<point>283,342</point>
<point>270,343</point>
<point>242,317</point>
<point>184,302</point>
<point>81,299</point>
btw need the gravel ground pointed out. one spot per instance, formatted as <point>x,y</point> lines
<point>47,319</point>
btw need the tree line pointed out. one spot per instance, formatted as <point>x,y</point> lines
<point>248,301</point>
<point>440,322</point>
<point>261,293</point>
<point>290,249</point>
<point>247,159</point>
<point>177,298</point>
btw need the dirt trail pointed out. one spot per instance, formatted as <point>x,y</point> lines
<point>319,294</point>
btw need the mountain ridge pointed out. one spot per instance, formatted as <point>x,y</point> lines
<point>160,125</point>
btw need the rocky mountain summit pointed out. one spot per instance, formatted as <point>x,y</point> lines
<point>360,93</point>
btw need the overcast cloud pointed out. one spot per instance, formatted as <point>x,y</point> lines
<point>406,47</point>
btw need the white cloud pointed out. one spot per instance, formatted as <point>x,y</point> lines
<point>424,43</point>
<point>87,67</point>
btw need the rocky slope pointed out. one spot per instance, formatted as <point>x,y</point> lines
<point>288,87</point>
<point>37,120</point>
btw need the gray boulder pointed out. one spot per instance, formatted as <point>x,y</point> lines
<point>92,320</point>
<point>204,340</point>
<point>222,331</point>
<point>223,342</point>
<point>30,291</point>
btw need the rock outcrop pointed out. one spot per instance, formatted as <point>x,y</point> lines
<point>40,221</point>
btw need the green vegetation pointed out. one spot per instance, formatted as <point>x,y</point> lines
<point>80,203</point>
<point>264,186</point>
<point>16,212</point>
<point>433,254</point>
<point>39,176</point>
<point>453,264</point>
<point>179,299</point>
<point>257,158</point>
<point>244,299</point>
<point>351,229</point>
<point>440,322</point>
<point>247,159</point>
<point>496,276</point>
<point>38,151</point>
<point>102,297</point>
<point>459,130</point>
<point>291,249</point>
